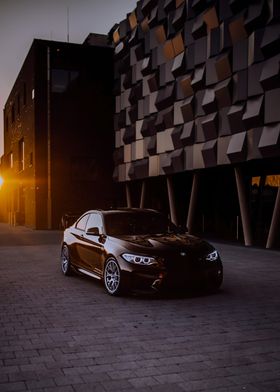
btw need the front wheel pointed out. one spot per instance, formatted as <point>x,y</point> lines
<point>65,260</point>
<point>112,277</point>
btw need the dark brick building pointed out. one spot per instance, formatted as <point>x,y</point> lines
<point>197,120</point>
<point>58,133</point>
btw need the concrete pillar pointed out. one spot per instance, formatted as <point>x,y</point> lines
<point>143,194</point>
<point>193,203</point>
<point>49,163</point>
<point>243,205</point>
<point>171,199</point>
<point>128,196</point>
<point>274,222</point>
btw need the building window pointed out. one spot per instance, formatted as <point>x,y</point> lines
<point>21,155</point>
<point>62,78</point>
<point>10,160</point>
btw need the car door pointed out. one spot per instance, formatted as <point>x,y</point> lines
<point>78,233</point>
<point>91,248</point>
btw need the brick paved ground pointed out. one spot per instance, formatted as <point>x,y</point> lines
<point>65,334</point>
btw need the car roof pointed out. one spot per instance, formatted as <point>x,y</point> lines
<point>121,210</point>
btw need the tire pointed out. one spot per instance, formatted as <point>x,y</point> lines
<point>65,260</point>
<point>112,277</point>
<point>215,285</point>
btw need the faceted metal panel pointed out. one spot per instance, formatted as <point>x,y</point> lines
<point>253,139</point>
<point>271,40</point>
<point>237,30</point>
<point>269,74</point>
<point>152,145</point>
<point>254,79</point>
<point>185,86</point>
<point>176,137</point>
<point>209,153</point>
<point>200,51</point>
<point>222,158</point>
<point>165,164</point>
<point>153,166</point>
<point>200,75</point>
<point>188,134</point>
<point>198,162</point>
<point>223,93</point>
<point>253,114</point>
<point>237,147</point>
<point>223,68</point>
<point>210,17</point>
<point>210,126</point>
<point>164,141</point>
<point>209,101</point>
<point>240,56</point>
<point>224,126</point>
<point>235,118</point>
<point>188,158</point>
<point>240,86</point>
<point>269,144</point>
<point>127,153</point>
<point>272,106</point>
<point>177,160</point>
<point>178,116</point>
<point>187,109</point>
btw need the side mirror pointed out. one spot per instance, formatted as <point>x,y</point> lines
<point>93,231</point>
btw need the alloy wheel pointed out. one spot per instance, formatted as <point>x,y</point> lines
<point>112,277</point>
<point>65,260</point>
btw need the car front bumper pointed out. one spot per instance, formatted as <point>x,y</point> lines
<point>162,279</point>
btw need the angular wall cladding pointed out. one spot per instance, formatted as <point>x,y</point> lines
<point>197,84</point>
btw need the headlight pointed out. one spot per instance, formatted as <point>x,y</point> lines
<point>137,259</point>
<point>213,256</point>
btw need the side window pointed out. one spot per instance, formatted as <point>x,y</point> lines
<point>95,220</point>
<point>81,224</point>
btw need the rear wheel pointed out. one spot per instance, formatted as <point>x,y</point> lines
<point>65,260</point>
<point>112,277</point>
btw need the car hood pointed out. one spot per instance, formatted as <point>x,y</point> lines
<point>163,242</point>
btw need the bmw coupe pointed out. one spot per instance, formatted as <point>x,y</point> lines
<point>136,248</point>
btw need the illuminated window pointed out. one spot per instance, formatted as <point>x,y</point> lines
<point>273,180</point>
<point>256,181</point>
<point>10,160</point>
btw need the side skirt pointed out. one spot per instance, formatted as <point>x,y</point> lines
<point>92,274</point>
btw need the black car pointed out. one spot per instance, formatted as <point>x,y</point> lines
<point>138,249</point>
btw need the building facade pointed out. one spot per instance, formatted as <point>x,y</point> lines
<point>197,117</point>
<point>57,134</point>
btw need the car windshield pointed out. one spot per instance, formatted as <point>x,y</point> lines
<point>137,223</point>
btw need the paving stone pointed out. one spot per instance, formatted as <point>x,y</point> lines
<point>60,334</point>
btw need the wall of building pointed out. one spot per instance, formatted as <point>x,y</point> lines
<point>197,89</point>
<point>19,147</point>
<point>66,125</point>
<point>197,85</point>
